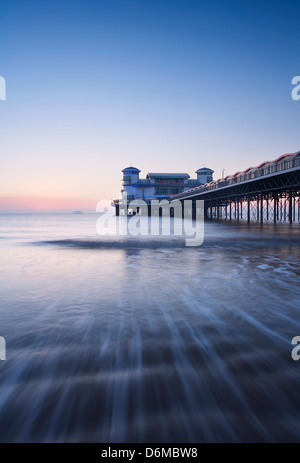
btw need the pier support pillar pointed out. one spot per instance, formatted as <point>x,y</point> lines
<point>261,208</point>
<point>291,208</point>
<point>279,209</point>
<point>205,211</point>
<point>194,210</point>
<point>117,210</point>
<point>248,209</point>
<point>275,208</point>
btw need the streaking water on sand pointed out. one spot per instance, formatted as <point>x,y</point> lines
<point>134,339</point>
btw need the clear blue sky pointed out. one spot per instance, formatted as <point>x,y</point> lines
<point>93,86</point>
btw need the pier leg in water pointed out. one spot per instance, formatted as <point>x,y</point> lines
<point>248,209</point>
<point>291,208</point>
<point>194,210</point>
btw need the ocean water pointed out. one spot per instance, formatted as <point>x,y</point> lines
<point>142,339</point>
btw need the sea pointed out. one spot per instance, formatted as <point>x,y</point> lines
<point>144,339</point>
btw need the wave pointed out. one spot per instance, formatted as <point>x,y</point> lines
<point>112,244</point>
<point>237,243</point>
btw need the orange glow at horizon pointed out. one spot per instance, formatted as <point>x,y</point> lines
<point>41,204</point>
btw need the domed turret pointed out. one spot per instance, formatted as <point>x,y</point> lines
<point>204,175</point>
<point>130,181</point>
<point>130,175</point>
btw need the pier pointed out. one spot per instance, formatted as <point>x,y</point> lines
<point>267,193</point>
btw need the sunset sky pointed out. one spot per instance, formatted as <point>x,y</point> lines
<point>95,86</point>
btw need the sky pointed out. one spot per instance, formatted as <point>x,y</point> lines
<point>167,86</point>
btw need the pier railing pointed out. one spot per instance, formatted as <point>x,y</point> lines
<point>268,168</point>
